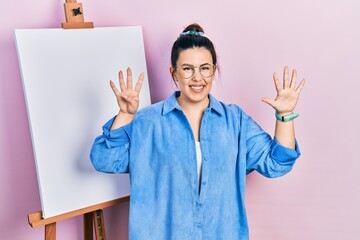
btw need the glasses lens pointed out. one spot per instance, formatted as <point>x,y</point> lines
<point>207,70</point>
<point>186,71</point>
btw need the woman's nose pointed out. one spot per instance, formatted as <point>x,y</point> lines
<point>197,74</point>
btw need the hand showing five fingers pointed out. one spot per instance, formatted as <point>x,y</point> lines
<point>127,97</point>
<point>287,93</point>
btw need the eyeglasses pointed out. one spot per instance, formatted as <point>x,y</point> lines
<point>187,71</point>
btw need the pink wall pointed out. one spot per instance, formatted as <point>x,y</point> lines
<point>317,200</point>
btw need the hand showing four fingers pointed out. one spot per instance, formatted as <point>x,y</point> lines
<point>287,93</point>
<point>127,97</point>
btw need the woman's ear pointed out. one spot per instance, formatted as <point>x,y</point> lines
<point>215,73</point>
<point>172,73</point>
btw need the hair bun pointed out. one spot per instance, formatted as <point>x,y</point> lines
<point>194,27</point>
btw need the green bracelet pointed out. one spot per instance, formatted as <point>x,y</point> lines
<point>286,118</point>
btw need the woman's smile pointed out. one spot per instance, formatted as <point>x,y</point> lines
<point>197,88</point>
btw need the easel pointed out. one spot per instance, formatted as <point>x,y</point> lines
<point>92,216</point>
<point>74,16</point>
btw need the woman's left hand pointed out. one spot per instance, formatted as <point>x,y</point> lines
<point>287,93</point>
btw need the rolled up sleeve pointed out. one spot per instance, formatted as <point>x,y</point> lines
<point>266,155</point>
<point>110,151</point>
<point>284,155</point>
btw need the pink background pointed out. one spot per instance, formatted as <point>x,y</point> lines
<point>317,200</point>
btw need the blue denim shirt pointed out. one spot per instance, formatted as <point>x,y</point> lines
<point>157,149</point>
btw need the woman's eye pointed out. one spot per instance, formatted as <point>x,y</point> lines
<point>205,68</point>
<point>186,68</point>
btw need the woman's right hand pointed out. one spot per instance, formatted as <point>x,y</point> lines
<point>127,97</point>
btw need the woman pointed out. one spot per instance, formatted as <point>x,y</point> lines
<point>188,156</point>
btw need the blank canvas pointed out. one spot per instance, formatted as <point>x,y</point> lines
<point>65,76</point>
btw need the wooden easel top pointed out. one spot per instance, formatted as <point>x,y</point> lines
<point>74,16</point>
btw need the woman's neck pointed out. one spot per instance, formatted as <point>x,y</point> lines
<point>193,107</point>
<point>194,112</point>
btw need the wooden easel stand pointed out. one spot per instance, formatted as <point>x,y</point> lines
<point>93,216</point>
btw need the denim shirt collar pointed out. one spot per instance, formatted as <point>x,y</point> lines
<point>171,104</point>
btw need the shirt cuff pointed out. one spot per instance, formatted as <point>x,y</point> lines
<point>116,137</point>
<point>284,155</point>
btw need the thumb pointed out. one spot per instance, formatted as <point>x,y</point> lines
<point>268,101</point>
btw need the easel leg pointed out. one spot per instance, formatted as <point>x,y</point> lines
<point>88,226</point>
<point>99,225</point>
<point>50,231</point>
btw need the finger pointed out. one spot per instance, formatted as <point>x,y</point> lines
<point>121,81</point>
<point>301,85</point>
<point>286,77</point>
<point>115,90</point>
<point>139,83</point>
<point>268,101</point>
<point>277,82</point>
<point>293,79</point>
<point>129,78</point>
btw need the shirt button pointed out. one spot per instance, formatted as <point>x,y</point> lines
<point>200,204</point>
<point>198,225</point>
<point>205,159</point>
<point>204,183</point>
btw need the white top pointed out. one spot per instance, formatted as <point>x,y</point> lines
<point>198,160</point>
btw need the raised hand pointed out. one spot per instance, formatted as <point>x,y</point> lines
<point>128,98</point>
<point>287,93</point>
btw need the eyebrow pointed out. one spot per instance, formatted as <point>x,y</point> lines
<point>191,65</point>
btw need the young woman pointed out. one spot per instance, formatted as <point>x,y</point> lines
<point>188,156</point>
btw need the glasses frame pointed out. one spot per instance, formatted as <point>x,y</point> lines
<point>193,69</point>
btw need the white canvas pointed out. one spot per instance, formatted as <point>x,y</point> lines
<point>66,77</point>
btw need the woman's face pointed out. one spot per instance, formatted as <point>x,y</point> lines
<point>194,89</point>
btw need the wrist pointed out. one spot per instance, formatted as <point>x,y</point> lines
<point>126,115</point>
<point>285,117</point>
<point>283,113</point>
<point>121,119</point>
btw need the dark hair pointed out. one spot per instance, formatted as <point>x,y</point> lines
<point>190,41</point>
